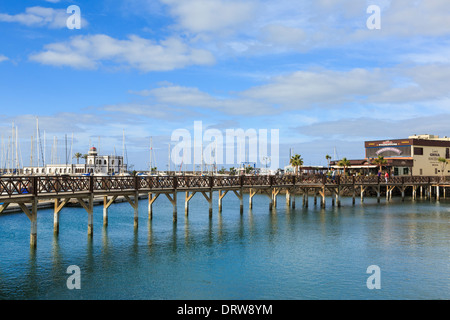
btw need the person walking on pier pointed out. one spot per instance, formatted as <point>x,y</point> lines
<point>386,176</point>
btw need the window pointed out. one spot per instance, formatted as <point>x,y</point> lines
<point>405,171</point>
<point>421,171</point>
<point>435,171</point>
<point>418,151</point>
<point>447,153</point>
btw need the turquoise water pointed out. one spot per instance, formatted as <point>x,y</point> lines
<point>288,254</point>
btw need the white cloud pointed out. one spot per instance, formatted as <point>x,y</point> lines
<point>266,26</point>
<point>40,17</point>
<point>424,18</point>
<point>378,93</point>
<point>305,89</point>
<point>370,128</point>
<point>178,96</point>
<point>3,58</point>
<point>89,52</point>
<point>211,15</point>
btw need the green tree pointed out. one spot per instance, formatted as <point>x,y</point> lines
<point>296,161</point>
<point>222,170</point>
<point>345,163</point>
<point>248,169</point>
<point>380,162</point>
<point>78,156</point>
<point>84,156</point>
<point>233,171</point>
<point>328,157</point>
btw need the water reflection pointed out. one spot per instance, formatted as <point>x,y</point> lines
<point>222,247</point>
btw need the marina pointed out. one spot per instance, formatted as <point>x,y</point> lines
<point>224,150</point>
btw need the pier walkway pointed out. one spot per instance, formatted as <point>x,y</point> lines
<point>27,191</point>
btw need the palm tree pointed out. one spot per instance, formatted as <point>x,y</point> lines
<point>296,161</point>
<point>78,156</point>
<point>328,157</point>
<point>344,163</point>
<point>380,161</point>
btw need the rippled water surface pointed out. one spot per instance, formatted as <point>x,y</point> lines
<point>302,253</point>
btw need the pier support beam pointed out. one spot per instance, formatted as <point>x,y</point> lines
<point>151,199</point>
<point>323,201</point>
<point>240,195</point>
<point>186,202</point>
<point>250,199</point>
<point>89,207</point>
<point>32,215</point>
<point>58,208</point>
<point>3,207</point>
<point>135,205</point>
<point>275,192</point>
<point>363,189</point>
<point>222,193</point>
<point>209,199</point>
<point>173,200</point>
<point>402,189</point>
<point>106,204</point>
<point>305,199</point>
<point>288,198</point>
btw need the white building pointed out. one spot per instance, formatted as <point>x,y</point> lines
<point>95,164</point>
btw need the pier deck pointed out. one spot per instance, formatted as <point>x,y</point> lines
<point>27,192</point>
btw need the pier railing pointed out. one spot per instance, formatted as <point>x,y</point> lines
<point>11,186</point>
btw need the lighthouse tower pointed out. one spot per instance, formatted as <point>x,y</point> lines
<point>93,151</point>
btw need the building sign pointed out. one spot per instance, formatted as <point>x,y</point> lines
<point>388,143</point>
<point>434,158</point>
<point>400,151</point>
<point>383,150</point>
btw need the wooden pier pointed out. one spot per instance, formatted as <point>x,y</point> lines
<point>28,191</point>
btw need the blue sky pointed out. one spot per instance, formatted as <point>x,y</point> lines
<point>311,69</point>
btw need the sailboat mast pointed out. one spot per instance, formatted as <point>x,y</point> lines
<point>37,140</point>
<point>31,153</point>
<point>169,159</point>
<point>151,154</point>
<point>123,150</point>
<point>17,151</point>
